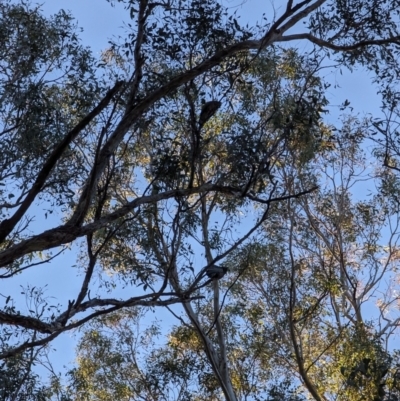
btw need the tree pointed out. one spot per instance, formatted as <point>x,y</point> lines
<point>297,313</point>
<point>320,273</point>
<point>147,182</point>
<point>18,381</point>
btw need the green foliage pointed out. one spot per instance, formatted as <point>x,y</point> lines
<point>150,190</point>
<point>19,382</point>
<point>47,84</point>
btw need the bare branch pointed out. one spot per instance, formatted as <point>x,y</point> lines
<point>340,48</point>
<point>55,329</point>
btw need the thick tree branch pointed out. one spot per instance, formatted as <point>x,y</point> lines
<point>137,76</point>
<point>54,329</point>
<point>132,115</point>
<point>298,352</point>
<point>301,15</point>
<point>26,322</point>
<point>30,344</point>
<point>343,48</point>
<point>273,35</point>
<point>6,226</point>
<point>209,350</point>
<point>67,233</point>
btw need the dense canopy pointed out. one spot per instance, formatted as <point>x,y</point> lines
<point>192,166</point>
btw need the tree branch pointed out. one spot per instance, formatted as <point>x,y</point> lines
<point>6,226</point>
<point>55,329</point>
<point>344,48</point>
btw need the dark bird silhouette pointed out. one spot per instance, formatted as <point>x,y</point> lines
<point>216,272</point>
<point>208,110</point>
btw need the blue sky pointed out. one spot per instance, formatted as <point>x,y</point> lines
<point>100,21</point>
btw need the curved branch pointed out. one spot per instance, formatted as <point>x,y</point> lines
<point>6,226</point>
<point>26,322</point>
<point>343,48</point>
<point>56,329</point>
<point>134,113</point>
<point>67,233</point>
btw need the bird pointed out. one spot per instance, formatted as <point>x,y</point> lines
<point>216,272</point>
<point>207,111</point>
